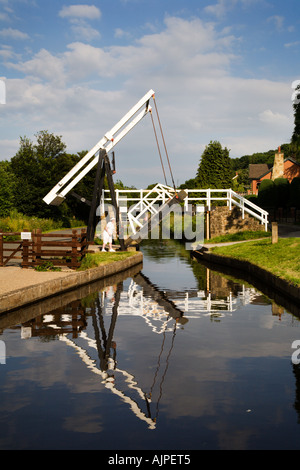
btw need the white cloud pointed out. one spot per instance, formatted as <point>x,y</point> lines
<point>120,33</point>
<point>273,118</point>
<point>83,91</point>
<point>219,9</point>
<point>292,44</point>
<point>78,15</point>
<point>277,21</point>
<point>84,31</point>
<point>80,11</point>
<point>11,33</point>
<point>43,66</point>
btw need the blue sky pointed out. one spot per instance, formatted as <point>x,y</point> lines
<point>221,70</point>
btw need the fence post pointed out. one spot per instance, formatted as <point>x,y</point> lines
<point>1,249</point>
<point>25,254</point>
<point>83,241</point>
<point>38,244</point>
<point>74,249</point>
<point>274,232</point>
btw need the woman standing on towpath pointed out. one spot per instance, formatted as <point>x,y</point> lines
<point>108,234</point>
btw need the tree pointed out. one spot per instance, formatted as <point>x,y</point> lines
<point>37,168</point>
<point>7,189</point>
<point>295,141</point>
<point>215,169</point>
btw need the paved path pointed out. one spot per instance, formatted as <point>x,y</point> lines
<point>13,277</point>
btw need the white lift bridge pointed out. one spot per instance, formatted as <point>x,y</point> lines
<point>147,201</point>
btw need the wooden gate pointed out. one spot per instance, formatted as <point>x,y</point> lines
<point>32,249</point>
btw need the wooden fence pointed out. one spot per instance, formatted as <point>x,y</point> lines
<point>36,248</point>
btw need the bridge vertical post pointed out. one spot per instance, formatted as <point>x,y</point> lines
<point>208,198</point>
<point>207,224</point>
<point>114,201</point>
<point>229,199</point>
<point>98,186</point>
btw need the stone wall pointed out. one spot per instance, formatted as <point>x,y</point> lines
<point>223,221</point>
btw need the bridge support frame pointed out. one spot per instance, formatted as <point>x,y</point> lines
<point>103,169</point>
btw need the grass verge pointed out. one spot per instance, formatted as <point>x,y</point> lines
<point>281,259</point>
<point>93,260</point>
<point>239,236</point>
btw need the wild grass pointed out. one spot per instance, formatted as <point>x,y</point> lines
<point>17,222</point>
<point>281,259</point>
<point>93,260</point>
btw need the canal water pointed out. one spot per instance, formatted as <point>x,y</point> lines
<point>177,356</point>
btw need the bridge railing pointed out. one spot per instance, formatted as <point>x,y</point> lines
<point>194,196</point>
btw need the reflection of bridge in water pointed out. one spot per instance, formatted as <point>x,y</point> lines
<point>163,312</point>
<point>145,300</point>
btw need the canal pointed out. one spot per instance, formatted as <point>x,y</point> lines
<point>177,356</point>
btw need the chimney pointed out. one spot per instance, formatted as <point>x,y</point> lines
<point>278,168</point>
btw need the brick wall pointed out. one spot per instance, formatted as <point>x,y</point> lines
<point>223,221</point>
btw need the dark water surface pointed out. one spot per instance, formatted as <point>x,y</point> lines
<point>176,357</point>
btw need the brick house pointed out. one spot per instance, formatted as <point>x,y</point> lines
<point>282,168</point>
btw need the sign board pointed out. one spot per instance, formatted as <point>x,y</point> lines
<point>25,235</point>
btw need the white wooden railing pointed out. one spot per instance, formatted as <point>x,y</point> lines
<point>129,200</point>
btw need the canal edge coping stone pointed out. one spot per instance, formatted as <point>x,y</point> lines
<point>49,288</point>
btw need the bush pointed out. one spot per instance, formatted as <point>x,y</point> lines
<point>295,192</point>
<point>252,198</point>
<point>282,187</point>
<point>267,194</point>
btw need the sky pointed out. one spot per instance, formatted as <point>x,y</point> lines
<point>220,69</point>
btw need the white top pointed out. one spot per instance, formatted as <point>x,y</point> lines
<point>110,228</point>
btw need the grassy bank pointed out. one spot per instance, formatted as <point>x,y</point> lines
<point>93,260</point>
<point>281,259</point>
<point>239,236</point>
<point>17,222</point>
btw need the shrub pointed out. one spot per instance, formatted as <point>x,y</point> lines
<point>282,187</point>
<point>267,194</point>
<point>295,192</point>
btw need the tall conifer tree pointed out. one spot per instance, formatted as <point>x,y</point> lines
<point>214,170</point>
